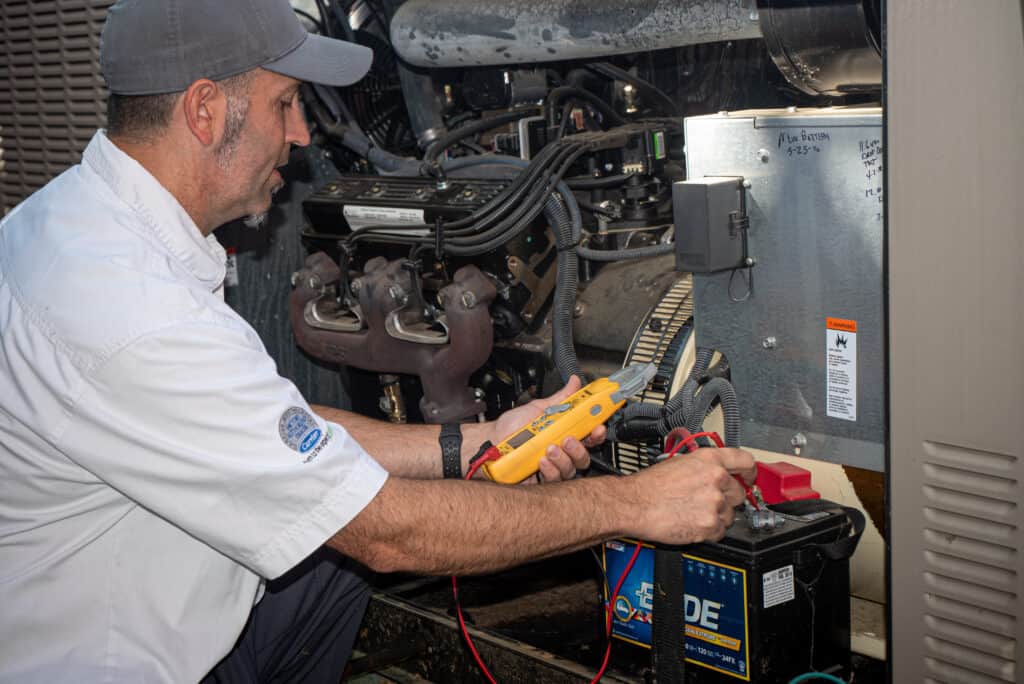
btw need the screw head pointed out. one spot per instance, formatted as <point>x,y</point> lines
<point>296,278</point>
<point>799,440</point>
<point>313,282</point>
<point>468,299</point>
<point>768,343</point>
<point>749,261</point>
<point>356,285</point>
<point>763,155</point>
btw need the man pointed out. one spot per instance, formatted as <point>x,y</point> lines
<point>156,470</point>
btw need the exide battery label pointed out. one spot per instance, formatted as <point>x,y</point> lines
<point>715,605</point>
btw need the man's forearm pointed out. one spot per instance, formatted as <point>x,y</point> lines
<point>409,451</point>
<point>472,527</point>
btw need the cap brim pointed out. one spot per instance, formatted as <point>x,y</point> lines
<point>324,60</point>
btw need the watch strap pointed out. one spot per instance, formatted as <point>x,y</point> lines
<point>451,450</point>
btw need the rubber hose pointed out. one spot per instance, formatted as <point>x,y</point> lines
<point>679,399</point>
<point>624,254</point>
<point>579,183</point>
<point>555,97</point>
<point>722,389</point>
<point>385,162</point>
<point>566,284</point>
<point>451,137</point>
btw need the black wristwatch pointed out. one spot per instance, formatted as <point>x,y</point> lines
<point>451,450</point>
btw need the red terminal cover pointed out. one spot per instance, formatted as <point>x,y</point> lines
<point>784,482</point>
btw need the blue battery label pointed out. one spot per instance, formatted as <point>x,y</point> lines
<point>715,603</point>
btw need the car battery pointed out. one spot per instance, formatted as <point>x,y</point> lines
<point>761,605</point>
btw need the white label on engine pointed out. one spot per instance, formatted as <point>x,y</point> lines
<point>841,369</point>
<point>778,586</point>
<point>231,268</point>
<point>360,217</point>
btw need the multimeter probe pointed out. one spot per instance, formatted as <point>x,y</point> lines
<point>518,456</point>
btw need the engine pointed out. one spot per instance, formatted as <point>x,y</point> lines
<point>497,213</point>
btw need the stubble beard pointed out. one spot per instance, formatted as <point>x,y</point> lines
<point>237,109</point>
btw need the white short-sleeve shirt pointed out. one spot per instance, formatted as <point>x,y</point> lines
<point>154,467</point>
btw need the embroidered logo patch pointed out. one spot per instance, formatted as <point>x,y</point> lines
<point>298,429</point>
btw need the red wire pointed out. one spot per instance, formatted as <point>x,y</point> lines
<point>690,442</point>
<point>609,609</point>
<point>490,455</point>
<point>465,633</point>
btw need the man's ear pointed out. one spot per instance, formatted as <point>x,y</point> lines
<point>204,108</point>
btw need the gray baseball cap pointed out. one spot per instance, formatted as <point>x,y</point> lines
<point>162,46</point>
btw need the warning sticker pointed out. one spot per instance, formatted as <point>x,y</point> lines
<point>841,368</point>
<point>778,586</point>
<point>362,216</point>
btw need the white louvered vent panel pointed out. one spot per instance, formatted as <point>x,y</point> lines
<point>52,97</point>
<point>971,582</point>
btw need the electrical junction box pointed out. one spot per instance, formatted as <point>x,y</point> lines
<point>803,329</point>
<point>710,224</point>
<point>760,606</point>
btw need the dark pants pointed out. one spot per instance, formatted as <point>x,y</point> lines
<point>303,628</point>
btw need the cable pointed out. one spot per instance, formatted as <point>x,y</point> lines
<point>465,633</point>
<point>325,19</point>
<point>610,610</point>
<point>307,15</point>
<point>644,87</point>
<point>624,254</point>
<point>555,97</point>
<point>588,183</point>
<point>479,126</point>
<point>488,452</point>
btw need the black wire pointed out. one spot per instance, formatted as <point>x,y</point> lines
<point>531,202</point>
<point>555,97</point>
<point>520,220</point>
<point>325,19</point>
<point>478,126</point>
<point>473,240</point>
<point>519,184</point>
<point>341,16</point>
<point>319,26</point>
<point>644,87</point>
<point>566,113</point>
<point>587,183</point>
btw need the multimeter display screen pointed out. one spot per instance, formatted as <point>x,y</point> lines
<point>519,439</point>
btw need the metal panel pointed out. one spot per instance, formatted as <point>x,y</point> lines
<point>956,466</point>
<point>814,200</point>
<point>52,98</point>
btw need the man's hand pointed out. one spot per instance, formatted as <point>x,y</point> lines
<point>561,461</point>
<point>692,497</point>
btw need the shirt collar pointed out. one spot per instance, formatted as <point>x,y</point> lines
<point>158,210</point>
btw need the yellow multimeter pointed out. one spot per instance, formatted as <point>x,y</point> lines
<point>577,417</point>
